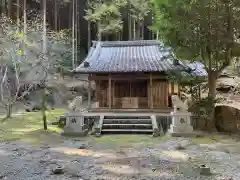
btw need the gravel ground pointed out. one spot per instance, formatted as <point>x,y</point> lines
<point>22,161</point>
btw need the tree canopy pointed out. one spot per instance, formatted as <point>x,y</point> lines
<point>206,30</point>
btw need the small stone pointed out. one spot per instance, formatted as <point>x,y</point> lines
<point>58,170</point>
<point>75,175</point>
<point>45,147</point>
<point>204,170</point>
<point>2,176</point>
<point>179,147</point>
<point>82,146</point>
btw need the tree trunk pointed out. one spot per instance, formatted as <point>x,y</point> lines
<point>70,16</point>
<point>142,31</point>
<point>44,27</point>
<point>138,30</point>
<point>77,31</point>
<point>99,34</point>
<point>129,24</point>
<point>134,29</point>
<point>89,35</point>
<point>212,82</point>
<point>24,25</point>
<point>43,109</point>
<point>157,37</point>
<point>9,8</point>
<point>73,34</point>
<point>3,4</point>
<point>89,29</point>
<point>18,14</point>
<point>56,15</point>
<point>8,111</point>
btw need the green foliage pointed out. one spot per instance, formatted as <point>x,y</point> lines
<point>203,30</point>
<point>106,14</point>
<point>203,107</point>
<point>140,9</point>
<point>23,56</point>
<point>184,79</point>
<point>13,40</point>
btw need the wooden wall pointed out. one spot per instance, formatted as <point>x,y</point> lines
<point>157,86</point>
<point>160,93</point>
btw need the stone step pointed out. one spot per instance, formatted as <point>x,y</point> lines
<point>128,130</point>
<point>127,117</point>
<point>127,121</point>
<point>127,124</point>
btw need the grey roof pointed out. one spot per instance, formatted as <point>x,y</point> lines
<point>128,56</point>
<point>197,68</point>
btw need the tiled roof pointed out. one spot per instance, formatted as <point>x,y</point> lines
<point>129,56</point>
<point>198,69</point>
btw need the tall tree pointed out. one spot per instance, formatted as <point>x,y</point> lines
<point>9,6</point>
<point>106,15</point>
<point>139,9</point>
<point>205,30</point>
<point>89,26</point>
<point>3,4</point>
<point>73,33</point>
<point>28,67</point>
<point>56,9</point>
<point>44,51</point>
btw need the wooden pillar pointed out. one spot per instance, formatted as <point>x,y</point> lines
<point>89,94</point>
<point>179,91</point>
<point>151,92</point>
<point>172,88</point>
<point>97,91</point>
<point>167,93</point>
<point>113,93</point>
<point>109,91</point>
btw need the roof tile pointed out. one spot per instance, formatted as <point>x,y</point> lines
<point>128,56</point>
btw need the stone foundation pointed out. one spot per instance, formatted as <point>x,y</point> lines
<point>75,125</point>
<point>181,124</point>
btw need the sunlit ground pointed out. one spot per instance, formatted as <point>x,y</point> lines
<point>118,154</point>
<point>29,127</point>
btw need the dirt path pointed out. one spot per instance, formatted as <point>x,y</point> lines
<point>92,160</point>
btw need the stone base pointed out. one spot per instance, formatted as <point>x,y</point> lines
<point>173,134</point>
<point>76,134</point>
<point>68,131</point>
<point>181,131</point>
<point>182,128</point>
<point>157,132</point>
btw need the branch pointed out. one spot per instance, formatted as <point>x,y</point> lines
<point>229,45</point>
<point>2,82</point>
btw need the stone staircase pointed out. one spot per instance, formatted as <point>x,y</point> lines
<point>127,124</point>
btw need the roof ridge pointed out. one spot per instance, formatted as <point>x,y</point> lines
<point>129,43</point>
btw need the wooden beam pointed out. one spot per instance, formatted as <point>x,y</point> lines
<point>113,93</point>
<point>179,92</point>
<point>151,92</point>
<point>89,94</point>
<point>126,77</point>
<point>109,92</point>
<point>97,91</point>
<point>172,88</point>
<point>167,93</point>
